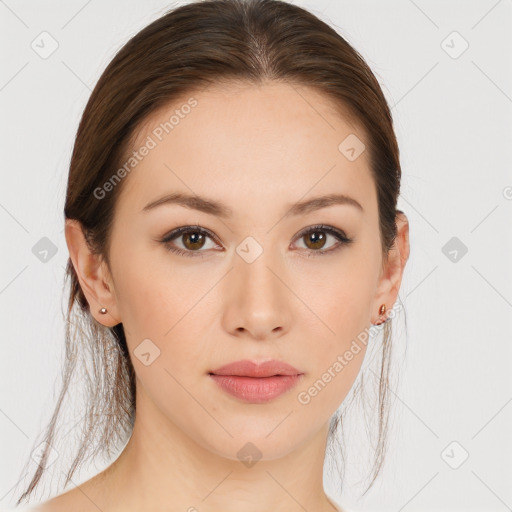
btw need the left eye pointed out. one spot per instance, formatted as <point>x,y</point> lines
<point>316,236</point>
<point>194,238</point>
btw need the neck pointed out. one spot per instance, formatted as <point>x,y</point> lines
<point>164,468</point>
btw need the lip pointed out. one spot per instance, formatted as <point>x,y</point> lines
<point>256,382</point>
<point>256,390</point>
<point>247,368</point>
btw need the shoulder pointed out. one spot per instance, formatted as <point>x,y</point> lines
<point>85,497</point>
<point>26,508</point>
<point>340,507</point>
<point>71,500</point>
<point>344,508</point>
<point>22,508</point>
<point>47,506</point>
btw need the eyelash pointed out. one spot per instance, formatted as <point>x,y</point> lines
<point>339,235</point>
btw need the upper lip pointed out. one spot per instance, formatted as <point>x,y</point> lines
<point>247,368</point>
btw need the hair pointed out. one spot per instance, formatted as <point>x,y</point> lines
<point>185,50</point>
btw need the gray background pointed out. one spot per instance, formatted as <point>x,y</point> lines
<point>452,114</point>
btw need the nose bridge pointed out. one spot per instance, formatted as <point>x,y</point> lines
<point>256,268</point>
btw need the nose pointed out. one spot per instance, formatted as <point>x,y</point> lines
<point>257,301</point>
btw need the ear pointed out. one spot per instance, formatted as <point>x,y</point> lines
<point>93,275</point>
<point>393,269</point>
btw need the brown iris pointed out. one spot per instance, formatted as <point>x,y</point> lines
<point>193,240</point>
<point>317,239</point>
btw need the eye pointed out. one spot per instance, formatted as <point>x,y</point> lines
<point>193,238</point>
<point>316,236</point>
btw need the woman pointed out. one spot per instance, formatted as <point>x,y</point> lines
<point>232,228</point>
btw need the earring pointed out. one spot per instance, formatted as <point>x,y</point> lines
<point>103,311</point>
<point>382,310</point>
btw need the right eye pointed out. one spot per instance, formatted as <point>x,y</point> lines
<point>193,238</point>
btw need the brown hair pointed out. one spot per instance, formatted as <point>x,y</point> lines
<point>185,50</point>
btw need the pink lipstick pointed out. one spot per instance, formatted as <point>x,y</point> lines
<point>256,382</point>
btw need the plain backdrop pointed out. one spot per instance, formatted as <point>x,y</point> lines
<point>445,68</point>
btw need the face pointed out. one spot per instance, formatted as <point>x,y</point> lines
<point>252,276</point>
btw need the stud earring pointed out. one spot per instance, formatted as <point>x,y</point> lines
<point>382,310</point>
<point>103,311</point>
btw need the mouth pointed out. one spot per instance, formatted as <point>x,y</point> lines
<point>254,382</point>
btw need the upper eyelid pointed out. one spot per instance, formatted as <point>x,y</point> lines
<point>174,233</point>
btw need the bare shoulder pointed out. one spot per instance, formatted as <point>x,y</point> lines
<point>338,507</point>
<point>67,501</point>
<point>25,508</point>
<point>82,498</point>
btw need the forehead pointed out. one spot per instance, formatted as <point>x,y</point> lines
<point>248,140</point>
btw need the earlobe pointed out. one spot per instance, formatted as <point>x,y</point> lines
<point>93,276</point>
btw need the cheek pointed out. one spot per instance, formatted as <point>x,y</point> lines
<point>161,326</point>
<point>163,303</point>
<point>343,304</point>
<point>149,290</point>
<point>347,312</point>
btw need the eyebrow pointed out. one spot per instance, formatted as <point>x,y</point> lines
<point>218,209</point>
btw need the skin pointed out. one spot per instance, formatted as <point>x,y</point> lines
<point>258,149</point>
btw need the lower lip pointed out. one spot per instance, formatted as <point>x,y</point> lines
<point>256,389</point>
